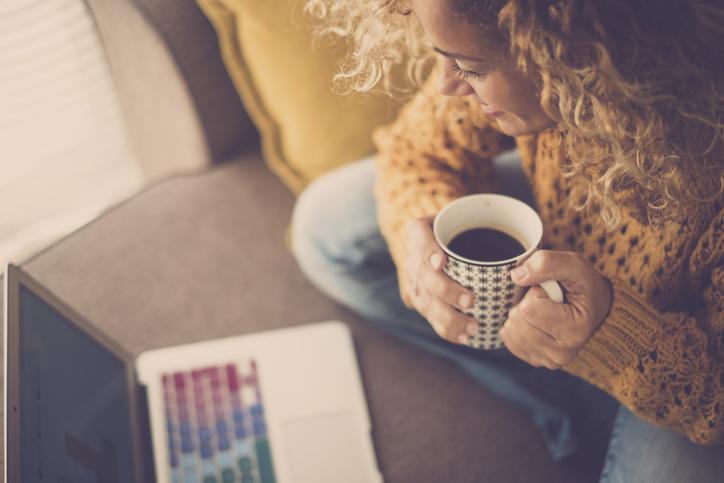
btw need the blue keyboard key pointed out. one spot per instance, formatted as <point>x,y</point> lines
<point>220,426</point>
<point>170,427</point>
<point>174,460</point>
<point>204,434</point>
<point>187,445</point>
<point>184,429</point>
<point>223,443</point>
<point>240,432</point>
<point>256,410</point>
<point>171,442</point>
<point>238,416</point>
<point>206,450</point>
<point>259,428</point>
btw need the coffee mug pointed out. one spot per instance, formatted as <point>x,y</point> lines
<point>484,237</point>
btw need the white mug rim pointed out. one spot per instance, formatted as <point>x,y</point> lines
<point>497,263</point>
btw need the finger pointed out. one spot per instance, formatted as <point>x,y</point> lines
<point>542,348</point>
<point>447,322</point>
<point>551,319</point>
<point>535,356</point>
<point>566,267</point>
<point>514,347</point>
<point>450,324</point>
<point>534,341</point>
<point>442,287</point>
<point>438,284</point>
<point>422,240</point>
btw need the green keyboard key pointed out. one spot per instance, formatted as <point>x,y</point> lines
<point>244,464</point>
<point>264,459</point>
<point>227,475</point>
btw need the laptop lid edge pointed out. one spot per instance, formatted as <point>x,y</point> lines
<point>14,278</point>
<point>11,377</point>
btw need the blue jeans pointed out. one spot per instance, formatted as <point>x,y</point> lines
<point>337,243</point>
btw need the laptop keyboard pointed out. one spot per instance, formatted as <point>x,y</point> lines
<point>216,427</point>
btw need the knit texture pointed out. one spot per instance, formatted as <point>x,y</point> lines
<point>660,349</point>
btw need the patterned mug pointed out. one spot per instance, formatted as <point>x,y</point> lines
<point>493,289</point>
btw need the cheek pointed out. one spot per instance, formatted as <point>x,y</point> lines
<point>508,92</point>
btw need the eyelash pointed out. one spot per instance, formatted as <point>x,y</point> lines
<point>464,74</point>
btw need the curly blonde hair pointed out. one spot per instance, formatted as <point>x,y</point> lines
<point>637,86</point>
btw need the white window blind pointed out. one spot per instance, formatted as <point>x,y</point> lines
<point>65,154</point>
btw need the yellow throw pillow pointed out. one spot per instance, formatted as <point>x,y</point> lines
<point>284,80</point>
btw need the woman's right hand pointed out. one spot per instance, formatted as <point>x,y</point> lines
<point>433,293</point>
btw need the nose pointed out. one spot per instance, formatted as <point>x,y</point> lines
<point>449,84</point>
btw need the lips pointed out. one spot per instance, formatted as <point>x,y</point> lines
<point>491,111</point>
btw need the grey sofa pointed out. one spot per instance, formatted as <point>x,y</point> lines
<point>200,254</point>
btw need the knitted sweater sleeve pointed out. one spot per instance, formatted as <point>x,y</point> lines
<point>668,368</point>
<point>439,149</point>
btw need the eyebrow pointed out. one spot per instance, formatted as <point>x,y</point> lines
<point>457,56</point>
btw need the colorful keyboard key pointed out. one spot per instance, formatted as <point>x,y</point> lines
<point>201,450</point>
<point>244,464</point>
<point>228,476</point>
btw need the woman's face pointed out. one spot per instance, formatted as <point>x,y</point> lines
<point>474,65</point>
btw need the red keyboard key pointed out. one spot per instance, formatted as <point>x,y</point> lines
<point>232,378</point>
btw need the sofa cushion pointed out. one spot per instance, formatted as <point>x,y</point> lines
<point>285,83</point>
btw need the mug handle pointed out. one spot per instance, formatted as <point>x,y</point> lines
<point>553,289</point>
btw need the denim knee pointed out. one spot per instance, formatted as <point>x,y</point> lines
<point>335,234</point>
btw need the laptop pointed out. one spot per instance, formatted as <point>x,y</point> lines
<point>283,406</point>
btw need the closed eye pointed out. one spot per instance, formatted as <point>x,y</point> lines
<point>464,74</point>
<point>459,71</point>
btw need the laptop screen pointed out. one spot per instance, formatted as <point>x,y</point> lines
<point>75,420</point>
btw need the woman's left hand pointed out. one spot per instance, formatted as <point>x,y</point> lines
<point>543,332</point>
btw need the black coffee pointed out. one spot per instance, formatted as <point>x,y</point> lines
<point>486,245</point>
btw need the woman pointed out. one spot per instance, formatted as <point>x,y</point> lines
<point>617,110</point>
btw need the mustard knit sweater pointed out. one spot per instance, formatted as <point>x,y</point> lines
<point>660,350</point>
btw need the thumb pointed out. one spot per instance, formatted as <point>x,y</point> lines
<point>543,265</point>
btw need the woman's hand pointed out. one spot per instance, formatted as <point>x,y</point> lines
<point>431,292</point>
<point>545,333</point>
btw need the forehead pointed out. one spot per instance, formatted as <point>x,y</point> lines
<point>453,33</point>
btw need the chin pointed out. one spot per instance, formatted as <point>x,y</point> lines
<point>518,127</point>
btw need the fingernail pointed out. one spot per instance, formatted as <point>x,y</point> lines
<point>435,260</point>
<point>464,301</point>
<point>519,272</point>
<point>472,328</point>
<point>463,339</point>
